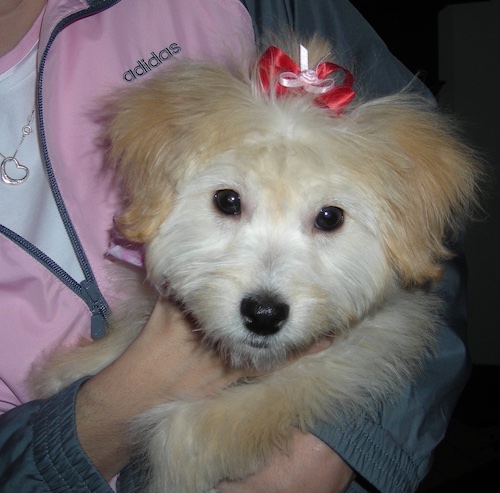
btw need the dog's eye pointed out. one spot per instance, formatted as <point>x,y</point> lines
<point>228,202</point>
<point>329,218</point>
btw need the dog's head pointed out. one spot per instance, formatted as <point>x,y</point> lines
<point>275,220</point>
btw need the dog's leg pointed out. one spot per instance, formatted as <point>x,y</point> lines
<point>65,365</point>
<point>192,446</point>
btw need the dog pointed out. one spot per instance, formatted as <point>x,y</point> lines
<point>279,208</point>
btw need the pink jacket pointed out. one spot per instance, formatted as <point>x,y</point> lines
<point>79,65</point>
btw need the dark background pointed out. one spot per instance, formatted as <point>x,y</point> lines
<point>455,49</point>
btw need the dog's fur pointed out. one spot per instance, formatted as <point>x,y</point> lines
<point>405,184</point>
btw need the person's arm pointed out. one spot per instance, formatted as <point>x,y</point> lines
<point>40,451</point>
<point>77,440</point>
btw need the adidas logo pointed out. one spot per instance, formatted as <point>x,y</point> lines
<point>143,66</point>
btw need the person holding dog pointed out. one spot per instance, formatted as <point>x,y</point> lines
<point>56,59</point>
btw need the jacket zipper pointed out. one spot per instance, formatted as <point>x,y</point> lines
<point>88,289</point>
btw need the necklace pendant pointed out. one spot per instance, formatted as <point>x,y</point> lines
<point>9,180</point>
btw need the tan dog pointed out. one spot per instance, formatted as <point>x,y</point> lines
<point>278,212</point>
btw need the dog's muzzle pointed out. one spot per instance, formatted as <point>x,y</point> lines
<point>264,315</point>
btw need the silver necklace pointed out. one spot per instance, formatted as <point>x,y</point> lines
<point>13,161</point>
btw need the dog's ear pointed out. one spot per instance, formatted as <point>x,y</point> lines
<point>428,182</point>
<point>165,131</point>
<point>142,151</point>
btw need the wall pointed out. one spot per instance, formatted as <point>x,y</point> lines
<point>469,65</point>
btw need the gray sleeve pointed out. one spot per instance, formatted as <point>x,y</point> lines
<point>40,449</point>
<point>357,46</point>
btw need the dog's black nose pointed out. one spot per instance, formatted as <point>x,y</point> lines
<point>263,315</point>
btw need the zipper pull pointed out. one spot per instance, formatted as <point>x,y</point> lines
<point>97,306</point>
<point>97,326</point>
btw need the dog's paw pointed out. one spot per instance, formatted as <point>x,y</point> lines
<point>55,372</point>
<point>43,384</point>
<point>65,365</point>
<point>193,446</point>
<point>169,437</point>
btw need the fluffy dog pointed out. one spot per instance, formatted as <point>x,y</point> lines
<point>278,210</point>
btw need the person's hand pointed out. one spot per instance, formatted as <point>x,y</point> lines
<point>165,362</point>
<point>312,467</point>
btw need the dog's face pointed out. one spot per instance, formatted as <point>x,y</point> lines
<point>270,247</point>
<point>275,223</point>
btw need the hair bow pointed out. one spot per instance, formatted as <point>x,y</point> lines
<point>276,67</point>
